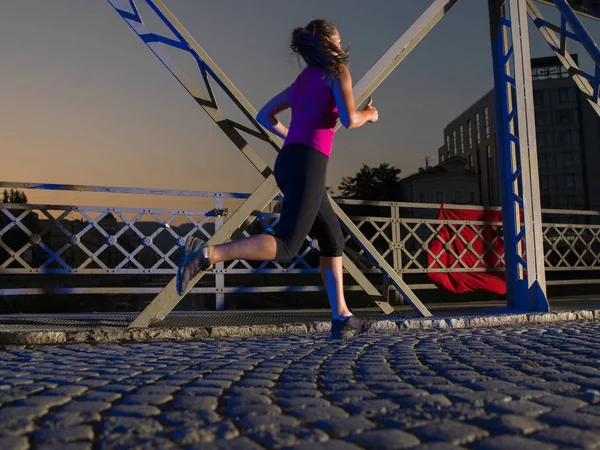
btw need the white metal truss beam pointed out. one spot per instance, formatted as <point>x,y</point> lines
<point>558,44</point>
<point>532,209</point>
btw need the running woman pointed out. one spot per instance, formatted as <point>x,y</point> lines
<point>320,95</point>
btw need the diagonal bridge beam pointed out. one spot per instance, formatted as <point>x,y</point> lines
<point>267,190</point>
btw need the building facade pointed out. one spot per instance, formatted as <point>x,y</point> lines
<point>568,141</point>
<point>449,182</point>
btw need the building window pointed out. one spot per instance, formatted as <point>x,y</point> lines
<point>575,137</point>
<point>458,197</point>
<point>472,197</point>
<point>471,165</point>
<point>454,142</point>
<point>542,161</point>
<point>544,182</point>
<point>478,128</point>
<point>569,159</point>
<point>448,144</point>
<point>541,139</point>
<point>486,115</point>
<point>439,197</point>
<point>462,139</point>
<point>565,116</point>
<point>538,97</point>
<point>539,119</point>
<point>565,137</point>
<point>563,94</point>
<point>551,162</point>
<point>470,133</point>
<point>562,201</point>
<point>543,118</point>
<point>572,201</point>
<point>421,198</point>
<point>570,181</point>
<point>549,139</point>
<point>488,151</point>
<point>443,158</point>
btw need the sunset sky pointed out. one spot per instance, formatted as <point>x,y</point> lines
<point>85,102</point>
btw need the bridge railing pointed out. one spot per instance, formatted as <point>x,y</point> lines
<point>66,249</point>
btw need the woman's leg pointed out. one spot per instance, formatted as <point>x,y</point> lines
<point>331,242</point>
<point>328,232</point>
<point>261,247</point>
<point>333,279</point>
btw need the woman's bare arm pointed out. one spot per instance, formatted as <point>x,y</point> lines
<point>344,98</point>
<point>266,116</point>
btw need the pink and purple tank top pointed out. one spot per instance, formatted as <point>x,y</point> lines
<point>314,111</point>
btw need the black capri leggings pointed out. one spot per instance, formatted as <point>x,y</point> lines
<point>300,172</point>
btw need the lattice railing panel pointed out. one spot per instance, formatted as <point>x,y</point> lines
<point>66,239</point>
<point>35,239</point>
<point>572,247</point>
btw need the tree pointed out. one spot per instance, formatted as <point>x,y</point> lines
<point>17,197</point>
<point>377,183</point>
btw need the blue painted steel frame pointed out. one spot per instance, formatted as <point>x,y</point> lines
<point>509,166</point>
<point>501,53</point>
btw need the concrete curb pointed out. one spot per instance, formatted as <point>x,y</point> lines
<point>113,334</point>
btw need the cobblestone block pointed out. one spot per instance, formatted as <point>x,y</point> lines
<point>370,408</point>
<point>67,434</point>
<point>560,401</point>
<point>283,437</point>
<point>71,390</point>
<point>77,406</point>
<point>241,443</point>
<point>14,443</point>
<point>69,419</point>
<point>450,431</point>
<point>569,437</point>
<point>194,435</point>
<point>8,413</point>
<point>47,401</point>
<point>512,443</point>
<point>479,398</point>
<point>65,446</point>
<point>252,424</point>
<point>195,403</point>
<point>120,442</point>
<point>146,399</point>
<point>16,427</point>
<point>314,414</point>
<point>252,410</point>
<point>385,439</point>
<point>304,402</point>
<point>519,407</point>
<point>572,418</point>
<point>509,424</point>
<point>248,400</point>
<point>134,410</point>
<point>345,426</point>
<point>350,396</point>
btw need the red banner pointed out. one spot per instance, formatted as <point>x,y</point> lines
<point>468,242</point>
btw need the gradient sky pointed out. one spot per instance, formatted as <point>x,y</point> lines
<point>85,102</point>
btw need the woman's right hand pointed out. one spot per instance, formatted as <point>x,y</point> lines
<point>371,110</point>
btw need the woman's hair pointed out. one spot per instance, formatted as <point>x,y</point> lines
<point>313,44</point>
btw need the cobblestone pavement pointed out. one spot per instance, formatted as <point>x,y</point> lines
<point>519,388</point>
